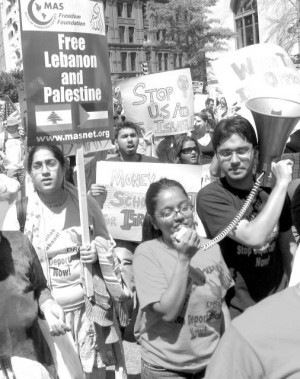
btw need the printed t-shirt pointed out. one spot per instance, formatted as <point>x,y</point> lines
<point>257,272</point>
<point>186,343</point>
<point>264,342</point>
<point>62,245</point>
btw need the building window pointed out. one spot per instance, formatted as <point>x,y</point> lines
<point>166,58</point>
<point>104,6</point>
<point>129,10</point>
<point>175,60</point>
<point>246,23</point>
<point>159,56</point>
<point>180,60</point>
<point>120,9</point>
<point>144,10</point>
<point>122,34</point>
<point>131,34</point>
<point>123,61</point>
<point>133,61</point>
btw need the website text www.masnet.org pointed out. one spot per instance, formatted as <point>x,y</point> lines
<point>74,136</point>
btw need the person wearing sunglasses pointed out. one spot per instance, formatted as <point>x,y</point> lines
<point>187,150</point>
<point>180,288</point>
<point>259,250</point>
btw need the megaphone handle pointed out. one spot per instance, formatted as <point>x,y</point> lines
<point>237,218</point>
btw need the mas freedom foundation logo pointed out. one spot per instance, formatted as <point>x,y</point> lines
<point>43,13</point>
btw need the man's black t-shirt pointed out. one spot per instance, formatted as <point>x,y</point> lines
<point>257,272</point>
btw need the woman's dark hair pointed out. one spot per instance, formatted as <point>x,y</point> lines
<point>222,97</point>
<point>165,150</point>
<point>212,120</point>
<point>180,143</point>
<point>56,151</point>
<point>233,125</point>
<point>148,230</point>
<point>202,115</point>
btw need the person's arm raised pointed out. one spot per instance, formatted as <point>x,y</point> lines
<point>172,300</point>
<point>255,232</point>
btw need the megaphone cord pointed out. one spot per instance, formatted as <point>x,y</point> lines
<point>237,218</point>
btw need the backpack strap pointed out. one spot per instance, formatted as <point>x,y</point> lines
<point>21,206</point>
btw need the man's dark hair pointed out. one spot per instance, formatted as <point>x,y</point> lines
<point>126,124</point>
<point>233,125</point>
<point>208,100</point>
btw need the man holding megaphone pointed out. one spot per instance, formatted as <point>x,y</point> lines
<point>260,248</point>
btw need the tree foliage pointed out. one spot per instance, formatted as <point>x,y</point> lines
<point>188,26</point>
<point>284,23</point>
<point>10,83</point>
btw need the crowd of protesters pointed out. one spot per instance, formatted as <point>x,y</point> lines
<point>201,310</point>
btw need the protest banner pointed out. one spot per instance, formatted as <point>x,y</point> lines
<point>161,103</point>
<point>89,147</point>
<point>66,71</point>
<point>67,82</point>
<point>256,71</point>
<point>126,185</point>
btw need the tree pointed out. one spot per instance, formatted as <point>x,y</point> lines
<point>187,26</point>
<point>284,21</point>
<point>54,117</point>
<point>10,83</point>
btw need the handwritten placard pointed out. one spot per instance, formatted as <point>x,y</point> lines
<point>257,70</point>
<point>161,103</point>
<point>126,185</point>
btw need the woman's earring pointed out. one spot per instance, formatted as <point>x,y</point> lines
<point>64,184</point>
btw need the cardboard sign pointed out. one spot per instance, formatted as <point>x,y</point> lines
<point>256,71</point>
<point>127,184</point>
<point>66,71</point>
<point>161,103</point>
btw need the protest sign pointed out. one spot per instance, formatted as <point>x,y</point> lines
<point>161,103</point>
<point>256,71</point>
<point>89,147</point>
<point>66,71</point>
<point>126,185</point>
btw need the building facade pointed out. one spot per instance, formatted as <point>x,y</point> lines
<point>129,43</point>
<point>258,21</point>
<point>132,48</point>
<point>10,39</point>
